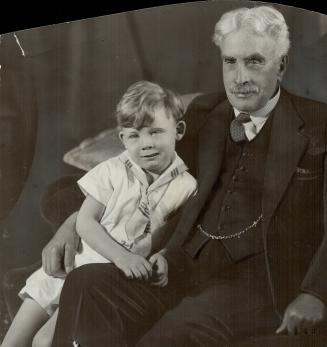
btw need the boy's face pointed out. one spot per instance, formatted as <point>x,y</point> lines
<point>152,147</point>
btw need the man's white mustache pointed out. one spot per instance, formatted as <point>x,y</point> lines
<point>245,90</point>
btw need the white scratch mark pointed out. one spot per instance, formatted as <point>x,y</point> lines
<point>19,45</point>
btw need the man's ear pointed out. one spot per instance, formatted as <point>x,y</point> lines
<point>282,67</point>
<point>121,137</point>
<point>180,130</point>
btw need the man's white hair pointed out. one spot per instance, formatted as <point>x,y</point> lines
<point>259,20</point>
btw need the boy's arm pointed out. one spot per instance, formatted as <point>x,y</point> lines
<point>90,230</point>
<point>59,254</point>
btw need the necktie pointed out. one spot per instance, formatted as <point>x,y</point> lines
<point>237,130</point>
<point>138,228</point>
<point>140,220</point>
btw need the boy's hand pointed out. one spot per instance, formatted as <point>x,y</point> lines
<point>134,266</point>
<point>159,269</point>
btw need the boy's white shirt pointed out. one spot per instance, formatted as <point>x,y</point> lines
<point>116,183</point>
<point>114,180</point>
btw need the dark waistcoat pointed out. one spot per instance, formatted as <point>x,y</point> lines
<point>236,200</point>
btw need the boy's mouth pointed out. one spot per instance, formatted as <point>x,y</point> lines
<point>152,155</point>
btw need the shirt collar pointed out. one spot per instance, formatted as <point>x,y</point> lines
<point>262,114</point>
<point>174,169</point>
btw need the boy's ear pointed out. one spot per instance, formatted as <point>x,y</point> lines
<point>121,137</point>
<point>180,130</point>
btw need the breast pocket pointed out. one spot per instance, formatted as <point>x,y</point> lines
<point>311,166</point>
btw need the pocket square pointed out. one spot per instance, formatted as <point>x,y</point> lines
<point>303,174</point>
<point>302,171</point>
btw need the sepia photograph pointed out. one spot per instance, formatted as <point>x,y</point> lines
<point>162,178</point>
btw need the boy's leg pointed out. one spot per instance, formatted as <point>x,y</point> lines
<point>44,336</point>
<point>28,320</point>
<point>99,307</point>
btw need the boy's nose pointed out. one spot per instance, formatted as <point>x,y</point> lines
<point>148,146</point>
<point>146,142</point>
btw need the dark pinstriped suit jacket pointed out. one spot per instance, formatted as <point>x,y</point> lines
<point>294,189</point>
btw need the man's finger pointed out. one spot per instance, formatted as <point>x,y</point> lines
<point>44,261</point>
<point>292,326</point>
<point>283,327</point>
<point>53,259</point>
<point>69,258</point>
<point>306,327</point>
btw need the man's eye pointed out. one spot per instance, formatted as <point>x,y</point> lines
<point>133,136</point>
<point>254,61</point>
<point>229,61</point>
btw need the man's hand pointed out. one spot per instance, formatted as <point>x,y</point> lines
<point>159,269</point>
<point>59,254</point>
<point>134,266</point>
<point>302,315</point>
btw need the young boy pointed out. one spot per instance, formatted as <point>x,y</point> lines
<point>128,200</point>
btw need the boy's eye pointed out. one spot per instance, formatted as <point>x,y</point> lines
<point>156,131</point>
<point>133,136</point>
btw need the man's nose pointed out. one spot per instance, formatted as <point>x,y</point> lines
<point>241,74</point>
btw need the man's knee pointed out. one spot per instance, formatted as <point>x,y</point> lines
<point>179,327</point>
<point>166,334</point>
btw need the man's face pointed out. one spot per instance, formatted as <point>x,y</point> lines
<point>152,147</point>
<point>251,69</point>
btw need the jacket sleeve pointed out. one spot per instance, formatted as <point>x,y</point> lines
<point>315,281</point>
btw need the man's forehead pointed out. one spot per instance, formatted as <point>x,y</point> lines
<point>246,44</point>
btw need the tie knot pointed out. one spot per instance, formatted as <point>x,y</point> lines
<point>237,130</point>
<point>243,117</point>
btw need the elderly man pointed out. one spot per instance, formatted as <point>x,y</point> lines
<point>248,253</point>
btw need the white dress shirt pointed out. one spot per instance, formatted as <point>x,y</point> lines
<point>259,117</point>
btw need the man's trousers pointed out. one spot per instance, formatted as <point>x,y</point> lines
<point>209,302</point>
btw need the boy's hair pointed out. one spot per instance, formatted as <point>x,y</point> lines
<point>137,106</point>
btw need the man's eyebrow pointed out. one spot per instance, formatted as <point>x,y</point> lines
<point>228,57</point>
<point>256,56</point>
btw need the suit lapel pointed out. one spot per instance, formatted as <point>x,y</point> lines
<point>287,144</point>
<point>212,138</point>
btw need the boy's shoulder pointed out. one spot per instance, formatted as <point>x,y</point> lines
<point>116,163</point>
<point>184,180</point>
